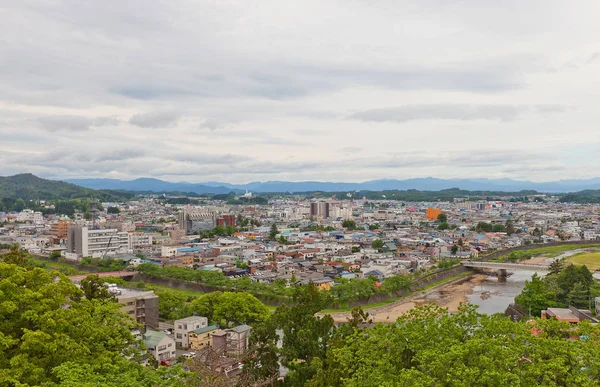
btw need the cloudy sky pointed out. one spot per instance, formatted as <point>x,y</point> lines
<point>328,90</point>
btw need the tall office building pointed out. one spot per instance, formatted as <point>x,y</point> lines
<point>96,243</point>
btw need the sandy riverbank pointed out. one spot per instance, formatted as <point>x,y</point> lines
<point>450,296</point>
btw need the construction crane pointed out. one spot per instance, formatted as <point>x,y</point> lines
<point>107,246</point>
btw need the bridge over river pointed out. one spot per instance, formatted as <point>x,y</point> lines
<point>504,267</point>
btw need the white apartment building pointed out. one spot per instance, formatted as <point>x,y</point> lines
<point>186,325</point>
<point>138,239</point>
<point>30,216</point>
<point>96,243</point>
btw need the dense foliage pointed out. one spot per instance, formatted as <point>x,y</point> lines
<point>425,347</point>
<point>51,335</point>
<point>562,287</point>
<point>343,292</point>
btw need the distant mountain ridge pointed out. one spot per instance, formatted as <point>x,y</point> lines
<point>424,184</point>
<point>150,184</point>
<point>30,187</point>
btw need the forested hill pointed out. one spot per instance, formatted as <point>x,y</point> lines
<point>30,187</point>
<point>586,196</point>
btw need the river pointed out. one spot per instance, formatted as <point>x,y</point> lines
<point>494,297</point>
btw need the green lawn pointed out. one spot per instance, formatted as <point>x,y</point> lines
<point>591,260</point>
<point>550,251</point>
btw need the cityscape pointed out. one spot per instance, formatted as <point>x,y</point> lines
<point>320,193</point>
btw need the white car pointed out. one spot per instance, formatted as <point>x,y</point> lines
<point>189,355</point>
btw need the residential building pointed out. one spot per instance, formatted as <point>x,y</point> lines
<point>184,326</point>
<point>60,228</point>
<point>159,344</point>
<point>30,216</point>
<point>201,338</point>
<point>231,341</point>
<point>140,305</point>
<point>319,210</point>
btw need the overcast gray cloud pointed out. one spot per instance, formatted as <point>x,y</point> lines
<point>451,112</point>
<point>157,119</point>
<point>209,90</point>
<point>73,123</point>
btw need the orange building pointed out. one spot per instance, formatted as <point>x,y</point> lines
<point>60,229</point>
<point>433,213</point>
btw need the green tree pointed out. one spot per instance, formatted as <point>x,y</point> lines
<point>556,266</point>
<point>349,224</point>
<point>374,226</point>
<point>510,228</point>
<point>305,336</point>
<point>113,210</point>
<point>94,288</point>
<point>230,308</point>
<point>19,205</point>
<point>16,256</point>
<point>87,215</point>
<point>172,305</point>
<point>442,218</point>
<point>55,255</point>
<point>484,227</point>
<point>579,296</point>
<point>240,308</point>
<point>51,335</point>
<point>535,296</point>
<point>377,244</point>
<point>274,231</point>
<point>498,228</point>
<point>454,249</point>
<point>443,226</point>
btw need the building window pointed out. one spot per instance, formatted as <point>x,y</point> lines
<point>179,335</point>
<point>162,347</point>
<point>170,344</point>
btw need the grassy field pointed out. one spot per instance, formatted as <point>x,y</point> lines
<point>591,260</point>
<point>550,252</point>
<point>64,268</point>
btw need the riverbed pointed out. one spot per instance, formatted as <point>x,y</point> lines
<point>490,295</point>
<point>493,296</point>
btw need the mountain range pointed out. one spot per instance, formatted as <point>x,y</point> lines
<point>424,184</point>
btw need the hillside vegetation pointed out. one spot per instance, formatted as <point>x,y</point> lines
<point>30,187</point>
<point>585,196</point>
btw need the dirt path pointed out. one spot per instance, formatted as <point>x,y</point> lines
<point>449,295</point>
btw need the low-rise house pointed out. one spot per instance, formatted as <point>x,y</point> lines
<point>159,344</point>
<point>186,325</point>
<point>233,341</point>
<point>570,314</point>
<point>201,338</point>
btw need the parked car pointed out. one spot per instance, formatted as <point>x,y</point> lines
<point>189,355</point>
<point>165,363</point>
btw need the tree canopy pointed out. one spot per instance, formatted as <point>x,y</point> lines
<point>51,335</point>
